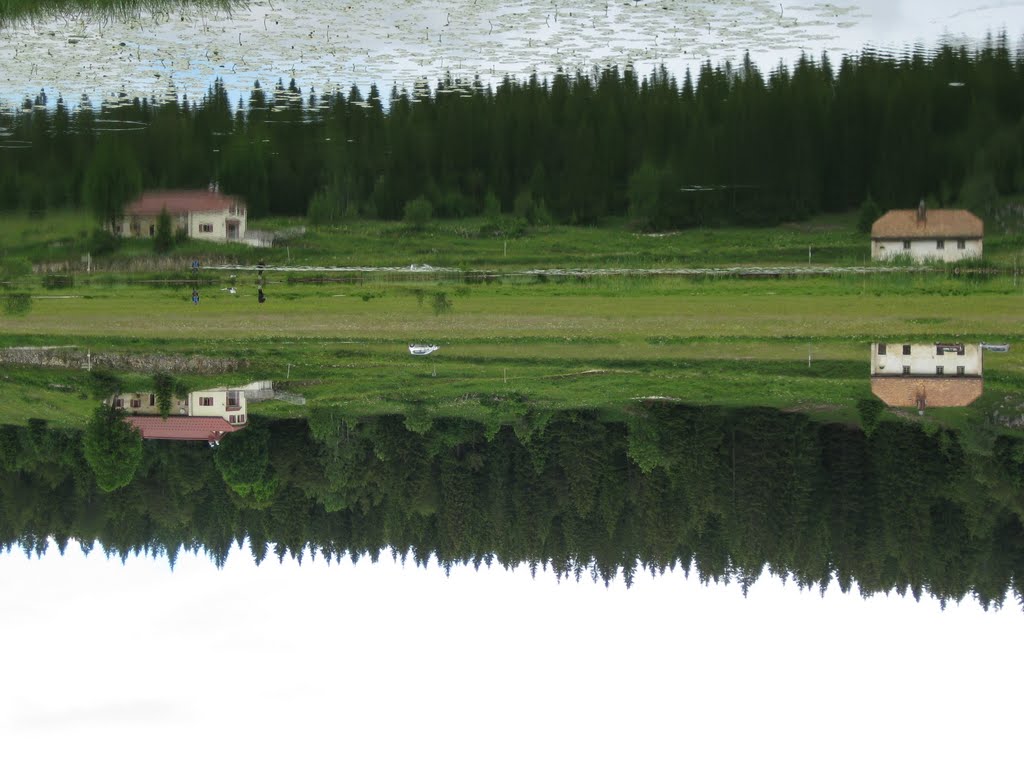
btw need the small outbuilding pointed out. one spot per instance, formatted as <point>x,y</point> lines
<point>202,214</point>
<point>944,234</point>
<point>923,375</point>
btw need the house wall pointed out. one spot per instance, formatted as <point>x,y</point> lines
<point>923,250</point>
<point>218,221</point>
<point>923,359</point>
<point>138,226</point>
<point>219,406</point>
<point>178,407</point>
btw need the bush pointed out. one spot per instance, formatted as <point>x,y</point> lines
<point>163,386</point>
<point>14,267</point>
<point>417,213</point>
<point>103,384</point>
<point>17,304</point>
<point>870,410</point>
<point>163,240</point>
<point>869,213</point>
<point>441,304</point>
<point>102,243</point>
<point>57,282</point>
<point>325,207</point>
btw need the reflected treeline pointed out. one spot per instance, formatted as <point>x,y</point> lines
<point>723,144</point>
<point>726,493</point>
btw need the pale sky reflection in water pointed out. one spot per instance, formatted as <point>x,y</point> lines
<point>330,44</point>
<point>380,664</point>
<point>376,664</point>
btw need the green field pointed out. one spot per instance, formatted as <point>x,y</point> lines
<point>61,240</point>
<point>518,340</point>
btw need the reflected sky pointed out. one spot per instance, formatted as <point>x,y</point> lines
<point>331,45</point>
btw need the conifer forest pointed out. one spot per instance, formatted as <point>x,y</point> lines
<point>721,494</point>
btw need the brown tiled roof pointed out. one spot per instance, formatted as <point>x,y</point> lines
<point>178,201</point>
<point>903,224</point>
<point>182,427</point>
<point>938,391</point>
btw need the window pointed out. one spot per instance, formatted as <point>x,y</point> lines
<point>881,349</point>
<point>906,349</point>
<point>939,350</point>
<point>940,245</point>
<point>119,403</point>
<point>906,370</point>
<point>939,370</point>
<point>906,245</point>
<point>960,350</point>
<point>137,403</point>
<point>152,229</point>
<point>961,244</point>
<point>959,370</point>
<point>206,227</point>
<point>206,401</point>
<point>152,399</point>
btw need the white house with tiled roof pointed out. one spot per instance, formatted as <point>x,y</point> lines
<point>203,415</point>
<point>202,214</point>
<point>940,235</point>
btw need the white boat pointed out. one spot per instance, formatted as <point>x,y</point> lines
<point>422,349</point>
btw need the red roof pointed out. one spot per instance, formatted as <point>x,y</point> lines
<point>178,201</point>
<point>182,427</point>
<point>944,222</point>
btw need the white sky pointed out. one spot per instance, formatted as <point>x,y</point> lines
<point>380,664</point>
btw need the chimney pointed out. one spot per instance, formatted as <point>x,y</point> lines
<point>922,212</point>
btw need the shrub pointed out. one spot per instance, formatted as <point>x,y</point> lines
<point>417,213</point>
<point>163,386</point>
<point>102,243</point>
<point>869,213</point>
<point>870,409</point>
<point>17,304</point>
<point>163,240</point>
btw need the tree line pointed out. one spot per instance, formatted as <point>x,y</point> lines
<point>726,144</point>
<point>723,494</point>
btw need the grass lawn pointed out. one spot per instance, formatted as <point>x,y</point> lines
<point>60,238</point>
<point>598,342</point>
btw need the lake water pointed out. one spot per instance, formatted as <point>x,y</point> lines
<point>330,46</point>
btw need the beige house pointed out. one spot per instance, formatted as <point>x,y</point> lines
<point>940,235</point>
<point>922,375</point>
<point>202,214</point>
<point>226,404</point>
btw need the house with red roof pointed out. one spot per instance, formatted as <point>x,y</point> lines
<point>939,235</point>
<point>202,214</point>
<point>207,414</point>
<point>208,428</point>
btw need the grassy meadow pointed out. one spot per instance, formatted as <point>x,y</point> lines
<point>510,340</point>
<point>518,341</point>
<point>60,240</point>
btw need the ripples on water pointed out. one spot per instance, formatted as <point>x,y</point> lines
<point>329,46</point>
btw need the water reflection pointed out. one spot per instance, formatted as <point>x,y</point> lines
<point>727,493</point>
